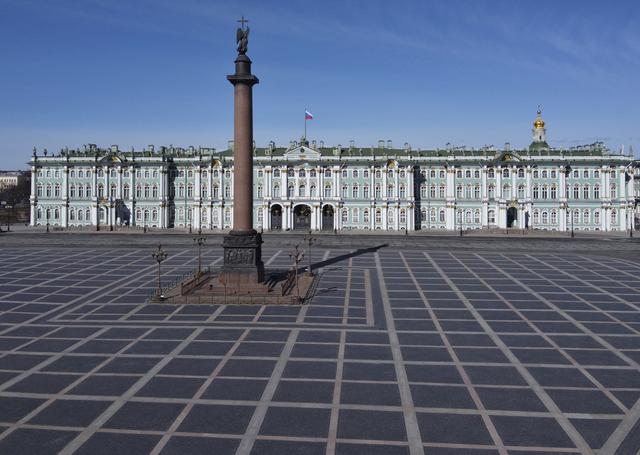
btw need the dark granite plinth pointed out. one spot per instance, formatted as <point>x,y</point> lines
<point>242,259</point>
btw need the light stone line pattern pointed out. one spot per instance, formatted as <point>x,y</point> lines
<point>80,439</point>
<point>631,418</point>
<point>40,264</point>
<point>414,438</point>
<point>564,422</point>
<point>368,293</point>
<point>463,374</point>
<point>337,390</point>
<point>573,320</point>
<point>272,258</point>
<point>61,307</point>
<point>586,302</point>
<point>549,340</point>
<point>251,432</point>
<point>197,396</point>
<point>347,292</point>
<point>62,393</point>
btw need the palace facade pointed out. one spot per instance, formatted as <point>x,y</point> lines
<point>309,186</point>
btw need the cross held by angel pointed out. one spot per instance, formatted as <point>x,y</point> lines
<point>242,36</point>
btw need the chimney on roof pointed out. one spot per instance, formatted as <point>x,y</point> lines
<point>389,145</point>
<point>381,144</point>
<point>321,144</point>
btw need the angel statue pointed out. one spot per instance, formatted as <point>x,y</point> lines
<point>242,38</point>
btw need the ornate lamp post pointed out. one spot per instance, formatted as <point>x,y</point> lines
<point>200,240</point>
<point>310,241</point>
<point>296,256</point>
<point>159,255</point>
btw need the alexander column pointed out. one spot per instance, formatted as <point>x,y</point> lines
<point>243,265</point>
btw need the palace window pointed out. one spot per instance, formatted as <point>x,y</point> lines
<point>204,191</point>
<point>576,192</point>
<point>459,216</point>
<point>433,215</point>
<point>423,215</point>
<point>205,174</point>
<point>505,173</point>
<point>596,217</point>
<point>476,174</point>
<point>545,217</point>
<point>390,173</point>
<point>442,216</point>
<point>576,216</point>
<point>154,215</point>
<point>585,192</point>
<point>441,192</point>
<point>365,191</point>
<point>459,174</point>
<point>100,173</point>
<point>520,191</point>
<point>344,174</point>
<point>377,192</point>
<point>390,191</point>
<point>536,217</point>
<point>545,191</point>
<point>423,191</point>
<point>467,216</point>
<point>476,192</point>
<point>459,191</point>
<point>189,190</point>
<point>554,192</point>
<point>72,215</point>
<point>521,173</point>
<point>576,174</point>
<point>146,191</point>
<point>492,192</point>
<point>553,174</point>
<point>390,216</point>
<point>154,192</point>
<point>596,174</point>
<point>432,173</point>
<point>354,191</point>
<point>467,173</point>
<point>585,174</point>
<point>355,215</point>
<point>56,190</point>
<point>302,191</point>
<point>403,192</point>
<point>536,174</point>
<point>544,174</point>
<point>113,191</point>
<point>101,190</point>
<point>290,191</point>
<point>39,190</point>
<point>138,191</point>
<point>290,173</point>
<point>190,174</point>
<point>442,174</point>
<point>87,190</point>
<point>227,216</point>
<point>365,173</point>
<point>596,191</point>
<point>614,193</point>
<point>345,191</point>
<point>355,173</point>
<point>586,217</point>
<point>72,191</point>
<point>125,192</point>
<point>227,192</point>
<point>312,191</point>
<point>216,191</point>
<point>276,191</point>
<point>378,174</point>
<point>506,192</point>
<point>402,174</point>
<point>327,173</point>
<point>203,215</point>
<point>491,173</point>
<point>327,191</point>
<point>312,173</point>
<point>467,192</point>
<point>301,173</point>
<point>378,218</point>
<point>365,216</point>
<point>403,216</point>
<point>554,217</point>
<point>276,173</point>
<point>227,174</point>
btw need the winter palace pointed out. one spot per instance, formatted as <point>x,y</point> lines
<point>310,186</point>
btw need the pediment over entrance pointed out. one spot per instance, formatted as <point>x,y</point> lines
<point>302,153</point>
<point>111,159</point>
<point>508,156</point>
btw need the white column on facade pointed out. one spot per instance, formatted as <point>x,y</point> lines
<point>34,195</point>
<point>396,217</point>
<point>94,196</point>
<point>284,175</point>
<point>132,195</point>
<point>499,183</point>
<point>197,193</point>
<point>64,212</point>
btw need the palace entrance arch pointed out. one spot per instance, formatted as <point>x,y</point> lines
<point>327,218</point>
<point>512,217</point>
<point>302,217</point>
<point>276,217</point>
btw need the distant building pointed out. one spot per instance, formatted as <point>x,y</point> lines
<point>310,186</point>
<point>10,179</point>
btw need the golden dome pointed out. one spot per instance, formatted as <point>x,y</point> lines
<point>539,123</point>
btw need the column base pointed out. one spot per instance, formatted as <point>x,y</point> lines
<point>243,266</point>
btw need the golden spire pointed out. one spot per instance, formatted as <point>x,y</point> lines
<point>539,123</point>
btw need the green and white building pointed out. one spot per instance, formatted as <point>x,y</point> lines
<point>310,186</point>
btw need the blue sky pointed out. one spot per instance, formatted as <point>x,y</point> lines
<point>472,73</point>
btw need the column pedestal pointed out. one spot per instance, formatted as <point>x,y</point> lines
<point>243,264</point>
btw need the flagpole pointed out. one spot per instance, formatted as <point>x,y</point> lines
<point>305,124</point>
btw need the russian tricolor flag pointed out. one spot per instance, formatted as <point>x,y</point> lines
<point>308,115</point>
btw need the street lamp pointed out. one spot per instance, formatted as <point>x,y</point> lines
<point>200,240</point>
<point>310,241</point>
<point>296,255</point>
<point>159,255</point>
